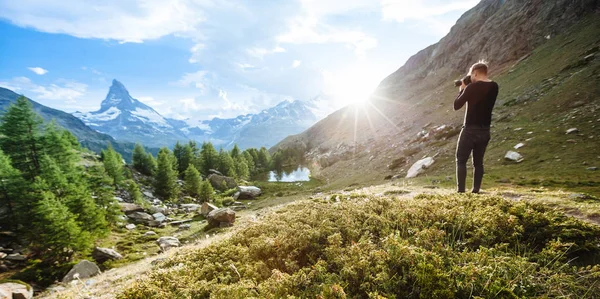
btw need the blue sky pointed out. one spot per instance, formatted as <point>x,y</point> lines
<point>198,59</point>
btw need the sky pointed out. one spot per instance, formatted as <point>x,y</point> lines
<point>199,59</point>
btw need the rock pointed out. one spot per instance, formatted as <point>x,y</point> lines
<point>176,223</point>
<point>247,192</point>
<point>397,176</point>
<point>185,227</point>
<point>2,255</point>
<point>150,233</point>
<point>519,145</point>
<point>214,171</point>
<point>102,255</point>
<point>592,168</point>
<point>589,58</point>
<point>221,183</point>
<point>119,199</point>
<point>419,167</point>
<point>160,217</point>
<point>577,196</point>
<point>84,269</point>
<point>190,207</point>
<point>140,216</point>
<point>130,226</point>
<point>206,208</point>
<point>572,130</point>
<point>129,208</point>
<point>16,290</point>
<point>216,217</point>
<point>167,243</point>
<point>513,156</point>
<point>15,257</point>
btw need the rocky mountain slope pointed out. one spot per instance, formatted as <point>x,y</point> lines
<point>89,138</point>
<point>128,119</point>
<point>545,57</point>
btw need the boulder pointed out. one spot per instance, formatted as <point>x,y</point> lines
<point>160,217</point>
<point>102,255</point>
<point>185,227</point>
<point>167,243</point>
<point>513,156</point>
<point>419,167</point>
<point>130,226</point>
<point>15,257</point>
<point>247,192</point>
<point>221,183</point>
<point>149,194</point>
<point>150,233</point>
<point>140,217</point>
<point>216,217</point>
<point>84,269</point>
<point>206,208</point>
<point>2,255</point>
<point>16,290</point>
<point>129,208</point>
<point>572,130</point>
<point>214,171</point>
<point>190,207</point>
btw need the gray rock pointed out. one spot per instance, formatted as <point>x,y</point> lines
<point>216,217</point>
<point>247,192</point>
<point>140,216</point>
<point>190,207</point>
<point>185,227</point>
<point>572,130</point>
<point>85,269</point>
<point>160,217</point>
<point>129,208</point>
<point>221,183</point>
<point>149,194</point>
<point>2,255</point>
<point>15,257</point>
<point>214,171</point>
<point>14,290</point>
<point>130,226</point>
<point>150,233</point>
<point>419,167</point>
<point>179,222</point>
<point>119,199</point>
<point>519,145</point>
<point>102,255</point>
<point>206,208</point>
<point>592,168</point>
<point>167,243</point>
<point>513,156</point>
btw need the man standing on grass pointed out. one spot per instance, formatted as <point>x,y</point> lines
<point>480,97</point>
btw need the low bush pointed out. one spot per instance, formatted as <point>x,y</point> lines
<point>430,246</point>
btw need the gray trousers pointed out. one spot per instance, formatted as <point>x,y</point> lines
<point>475,140</point>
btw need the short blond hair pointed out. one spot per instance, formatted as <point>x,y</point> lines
<point>480,66</point>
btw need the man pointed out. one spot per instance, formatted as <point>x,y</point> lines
<point>480,97</point>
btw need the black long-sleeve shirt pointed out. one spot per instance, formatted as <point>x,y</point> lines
<point>481,97</point>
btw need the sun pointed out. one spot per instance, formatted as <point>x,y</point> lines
<point>352,87</point>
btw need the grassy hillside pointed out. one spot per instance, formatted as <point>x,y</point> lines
<point>391,246</point>
<point>550,90</point>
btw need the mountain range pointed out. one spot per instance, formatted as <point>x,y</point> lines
<point>127,119</point>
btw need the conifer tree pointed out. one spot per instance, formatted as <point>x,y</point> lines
<point>11,192</point>
<point>59,147</point>
<point>21,139</point>
<point>103,192</point>
<point>249,161</point>
<point>185,156</point>
<point>134,192</point>
<point>206,191</point>
<point>113,164</point>
<point>235,152</point>
<point>193,181</point>
<point>165,180</point>
<point>209,158</point>
<point>264,158</point>
<point>139,159</point>
<point>226,164</point>
<point>241,168</point>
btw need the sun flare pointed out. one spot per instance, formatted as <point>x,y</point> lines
<point>352,87</point>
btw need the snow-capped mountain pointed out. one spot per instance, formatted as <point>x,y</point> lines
<point>127,119</point>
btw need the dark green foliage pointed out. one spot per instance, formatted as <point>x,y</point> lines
<point>165,180</point>
<point>142,161</point>
<point>235,152</point>
<point>209,158</point>
<point>58,145</point>
<point>113,164</point>
<point>22,140</point>
<point>103,192</point>
<point>193,181</point>
<point>206,191</point>
<point>249,161</point>
<point>226,164</point>
<point>185,157</point>
<point>429,247</point>
<point>264,159</point>
<point>241,168</point>
<point>12,186</point>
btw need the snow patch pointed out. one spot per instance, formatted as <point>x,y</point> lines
<point>146,115</point>
<point>110,114</point>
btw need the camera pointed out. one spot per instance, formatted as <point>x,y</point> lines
<point>466,79</point>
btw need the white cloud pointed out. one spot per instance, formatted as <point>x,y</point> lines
<point>68,91</point>
<point>296,63</point>
<point>228,104</point>
<point>150,101</point>
<point>124,21</point>
<point>260,53</point>
<point>402,10</point>
<point>189,104</point>
<point>38,70</point>
<point>197,80</point>
<point>196,50</point>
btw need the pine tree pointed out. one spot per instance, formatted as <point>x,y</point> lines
<point>249,161</point>
<point>58,145</point>
<point>206,192</point>
<point>113,164</point>
<point>139,158</point>
<point>209,158</point>
<point>193,181</point>
<point>241,168</point>
<point>235,152</point>
<point>134,192</point>
<point>55,234</point>
<point>264,158</point>
<point>103,192</point>
<point>11,192</point>
<point>22,140</point>
<point>165,180</point>
<point>150,164</point>
<point>185,157</point>
<point>226,164</point>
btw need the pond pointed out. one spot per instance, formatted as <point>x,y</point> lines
<point>298,174</point>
